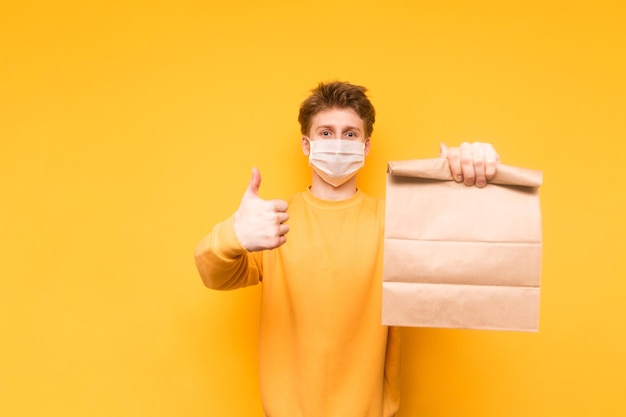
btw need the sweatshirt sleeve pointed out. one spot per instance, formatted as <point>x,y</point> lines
<point>223,263</point>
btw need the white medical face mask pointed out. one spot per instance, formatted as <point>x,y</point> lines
<point>336,160</point>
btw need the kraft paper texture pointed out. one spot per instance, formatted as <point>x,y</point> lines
<point>458,256</point>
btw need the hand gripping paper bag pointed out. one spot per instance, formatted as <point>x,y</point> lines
<point>458,256</point>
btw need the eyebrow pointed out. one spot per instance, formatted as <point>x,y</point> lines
<point>332,127</point>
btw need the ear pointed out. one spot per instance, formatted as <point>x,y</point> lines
<point>367,146</point>
<point>306,146</point>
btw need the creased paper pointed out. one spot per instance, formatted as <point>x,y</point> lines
<point>458,256</point>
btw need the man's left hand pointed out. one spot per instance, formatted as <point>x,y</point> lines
<point>472,163</point>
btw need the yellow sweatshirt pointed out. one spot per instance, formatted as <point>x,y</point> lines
<point>322,349</point>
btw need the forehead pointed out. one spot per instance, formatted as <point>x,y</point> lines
<point>337,117</point>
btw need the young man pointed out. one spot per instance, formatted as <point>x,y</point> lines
<point>322,349</point>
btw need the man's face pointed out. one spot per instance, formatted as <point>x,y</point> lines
<point>336,123</point>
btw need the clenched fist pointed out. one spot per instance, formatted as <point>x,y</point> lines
<point>260,224</point>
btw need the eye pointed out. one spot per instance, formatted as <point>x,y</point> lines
<point>351,134</point>
<point>326,133</point>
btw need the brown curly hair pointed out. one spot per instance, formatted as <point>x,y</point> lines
<point>337,94</point>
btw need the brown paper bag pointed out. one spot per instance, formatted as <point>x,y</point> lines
<point>458,256</point>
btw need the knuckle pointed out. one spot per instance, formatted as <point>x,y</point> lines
<point>454,156</point>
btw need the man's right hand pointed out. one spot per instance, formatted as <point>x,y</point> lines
<point>260,224</point>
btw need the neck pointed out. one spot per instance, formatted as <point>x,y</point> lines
<point>324,191</point>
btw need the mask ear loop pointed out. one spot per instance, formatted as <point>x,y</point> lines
<point>310,148</point>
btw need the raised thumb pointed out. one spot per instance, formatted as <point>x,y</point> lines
<point>443,150</point>
<point>254,184</point>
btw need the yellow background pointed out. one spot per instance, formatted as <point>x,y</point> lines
<point>127,129</point>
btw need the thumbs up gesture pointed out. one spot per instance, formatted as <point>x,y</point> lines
<point>260,224</point>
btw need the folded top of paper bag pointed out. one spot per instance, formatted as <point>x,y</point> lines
<point>439,169</point>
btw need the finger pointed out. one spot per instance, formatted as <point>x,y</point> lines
<point>454,161</point>
<point>254,184</point>
<point>478,157</point>
<point>281,241</point>
<point>278,239</point>
<point>282,217</point>
<point>283,229</point>
<point>491,161</point>
<point>278,205</point>
<point>443,150</point>
<point>467,164</point>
